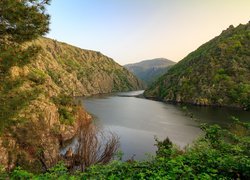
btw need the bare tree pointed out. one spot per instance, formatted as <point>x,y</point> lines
<point>94,147</point>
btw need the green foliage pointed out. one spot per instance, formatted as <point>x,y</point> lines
<point>62,100</point>
<point>37,76</point>
<point>3,173</point>
<point>54,76</point>
<point>59,171</point>
<point>220,154</point>
<point>16,56</point>
<point>217,73</point>
<point>164,148</point>
<point>241,94</point>
<point>66,108</point>
<point>22,20</point>
<point>14,101</point>
<point>21,174</point>
<point>66,116</point>
<point>71,65</point>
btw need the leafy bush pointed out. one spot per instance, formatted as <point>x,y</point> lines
<point>62,100</point>
<point>21,174</point>
<point>37,76</point>
<point>54,76</point>
<point>59,171</point>
<point>13,102</point>
<point>66,116</point>
<point>66,108</point>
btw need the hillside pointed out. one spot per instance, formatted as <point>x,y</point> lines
<point>83,72</point>
<point>217,73</point>
<point>37,112</point>
<point>149,70</point>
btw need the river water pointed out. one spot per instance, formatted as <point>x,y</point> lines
<point>137,121</point>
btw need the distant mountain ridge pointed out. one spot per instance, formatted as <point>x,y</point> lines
<point>217,73</point>
<point>149,70</point>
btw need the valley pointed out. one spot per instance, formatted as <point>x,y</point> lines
<point>73,113</point>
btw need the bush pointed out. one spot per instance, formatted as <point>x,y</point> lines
<point>62,100</point>
<point>37,76</point>
<point>66,117</point>
<point>21,174</point>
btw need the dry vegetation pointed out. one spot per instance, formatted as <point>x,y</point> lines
<point>94,146</point>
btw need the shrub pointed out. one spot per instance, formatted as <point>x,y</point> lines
<point>37,76</point>
<point>66,117</point>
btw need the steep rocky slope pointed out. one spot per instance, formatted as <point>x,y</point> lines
<point>149,70</point>
<point>37,114</point>
<point>82,72</point>
<point>217,73</point>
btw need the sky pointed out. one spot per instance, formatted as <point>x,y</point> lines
<point>130,31</point>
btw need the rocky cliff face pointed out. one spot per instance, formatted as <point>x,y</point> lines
<point>37,115</point>
<point>82,72</point>
<point>217,73</point>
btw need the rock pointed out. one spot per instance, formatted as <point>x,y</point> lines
<point>69,153</point>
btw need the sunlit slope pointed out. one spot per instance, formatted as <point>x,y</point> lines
<point>217,73</point>
<point>83,72</point>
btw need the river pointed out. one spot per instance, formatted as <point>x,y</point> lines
<point>137,121</point>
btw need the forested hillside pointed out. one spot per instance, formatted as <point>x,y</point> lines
<point>217,73</point>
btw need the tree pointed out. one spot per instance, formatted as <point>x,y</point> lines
<point>93,147</point>
<point>22,20</point>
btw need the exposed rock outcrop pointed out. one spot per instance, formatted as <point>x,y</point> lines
<point>82,72</point>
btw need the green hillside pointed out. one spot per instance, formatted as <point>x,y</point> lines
<point>217,73</point>
<point>149,70</point>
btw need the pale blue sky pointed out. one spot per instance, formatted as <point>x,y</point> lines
<point>134,30</point>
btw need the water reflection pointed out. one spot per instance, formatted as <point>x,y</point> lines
<point>138,120</point>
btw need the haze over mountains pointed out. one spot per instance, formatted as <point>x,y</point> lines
<point>217,73</point>
<point>149,70</point>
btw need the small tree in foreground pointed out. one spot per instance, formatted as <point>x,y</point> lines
<point>22,20</point>
<point>93,147</point>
